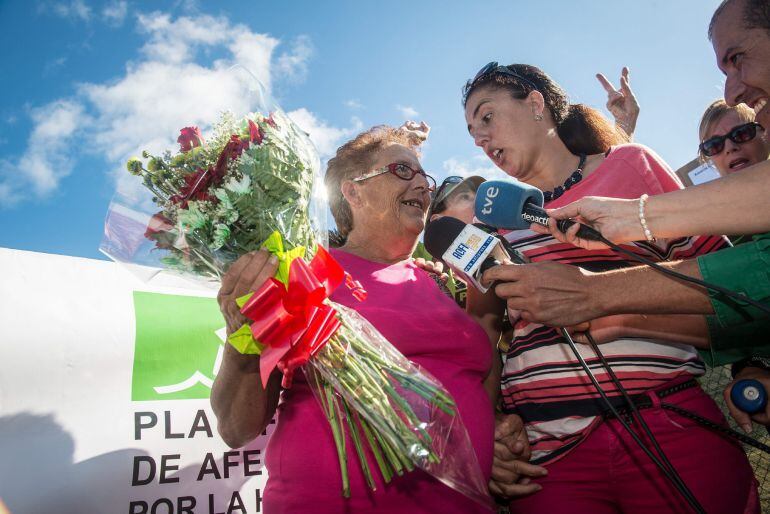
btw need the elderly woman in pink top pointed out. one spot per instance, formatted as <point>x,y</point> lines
<point>379,196</point>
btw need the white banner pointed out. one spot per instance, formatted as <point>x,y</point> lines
<point>104,386</point>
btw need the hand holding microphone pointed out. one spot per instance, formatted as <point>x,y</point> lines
<point>513,205</point>
<point>616,219</point>
<point>666,215</point>
<point>545,292</point>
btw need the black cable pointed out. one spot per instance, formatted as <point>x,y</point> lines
<point>719,289</point>
<point>667,469</point>
<point>725,431</point>
<point>665,466</point>
<point>635,412</point>
<point>682,488</point>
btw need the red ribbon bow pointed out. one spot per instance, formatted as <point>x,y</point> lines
<point>294,322</point>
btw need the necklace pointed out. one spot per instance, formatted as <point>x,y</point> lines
<point>575,177</point>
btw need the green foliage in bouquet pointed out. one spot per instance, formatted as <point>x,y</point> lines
<point>222,199</point>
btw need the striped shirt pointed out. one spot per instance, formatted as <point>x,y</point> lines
<point>542,379</point>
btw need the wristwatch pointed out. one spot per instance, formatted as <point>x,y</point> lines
<point>751,362</point>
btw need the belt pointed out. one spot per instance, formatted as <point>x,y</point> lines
<point>644,400</point>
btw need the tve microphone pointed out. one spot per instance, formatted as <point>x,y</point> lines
<point>513,205</point>
<point>468,250</point>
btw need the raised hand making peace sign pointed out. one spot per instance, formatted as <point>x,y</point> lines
<point>621,102</point>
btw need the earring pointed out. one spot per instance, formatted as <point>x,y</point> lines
<point>538,117</point>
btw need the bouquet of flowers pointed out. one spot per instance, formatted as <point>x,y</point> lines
<point>221,199</point>
<point>254,184</point>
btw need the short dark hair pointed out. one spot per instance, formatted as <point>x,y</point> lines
<point>756,15</point>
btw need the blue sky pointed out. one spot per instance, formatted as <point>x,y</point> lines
<point>86,84</point>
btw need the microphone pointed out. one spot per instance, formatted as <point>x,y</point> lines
<point>467,249</point>
<point>511,253</point>
<point>513,205</point>
<point>749,395</point>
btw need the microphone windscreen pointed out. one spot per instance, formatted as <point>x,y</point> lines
<point>499,203</point>
<point>440,233</point>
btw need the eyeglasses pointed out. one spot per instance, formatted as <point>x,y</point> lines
<point>400,170</point>
<point>490,69</point>
<point>740,134</point>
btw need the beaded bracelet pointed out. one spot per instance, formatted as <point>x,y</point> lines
<point>647,233</point>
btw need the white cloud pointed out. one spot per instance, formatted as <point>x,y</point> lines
<point>408,112</point>
<point>178,40</point>
<point>74,10</point>
<point>325,137</point>
<point>53,65</point>
<point>293,65</point>
<point>354,103</point>
<point>115,12</point>
<point>168,87</point>
<point>146,109</point>
<point>254,52</point>
<point>478,165</point>
<point>48,157</point>
<point>8,197</point>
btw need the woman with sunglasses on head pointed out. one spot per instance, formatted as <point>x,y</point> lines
<point>379,195</point>
<point>732,141</point>
<point>526,126</point>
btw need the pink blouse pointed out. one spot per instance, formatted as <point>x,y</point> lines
<point>405,305</point>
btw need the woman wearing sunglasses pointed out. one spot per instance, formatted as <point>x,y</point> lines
<point>730,138</point>
<point>379,195</point>
<point>527,127</point>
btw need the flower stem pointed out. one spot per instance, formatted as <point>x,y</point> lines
<point>355,435</point>
<point>333,416</point>
<point>387,474</point>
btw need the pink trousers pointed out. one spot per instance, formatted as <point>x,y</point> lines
<point>609,474</point>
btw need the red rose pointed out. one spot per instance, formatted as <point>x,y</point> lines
<point>236,146</point>
<point>189,138</point>
<point>195,187</point>
<point>197,184</point>
<point>255,133</point>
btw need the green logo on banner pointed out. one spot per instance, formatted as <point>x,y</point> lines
<point>178,348</point>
